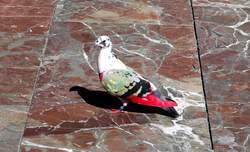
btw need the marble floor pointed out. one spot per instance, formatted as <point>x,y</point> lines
<point>195,51</point>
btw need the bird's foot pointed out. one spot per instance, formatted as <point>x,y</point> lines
<point>121,108</point>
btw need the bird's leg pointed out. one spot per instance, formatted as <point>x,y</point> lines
<point>123,106</point>
<point>121,109</point>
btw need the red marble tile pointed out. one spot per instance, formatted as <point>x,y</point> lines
<point>231,116</point>
<point>27,25</point>
<point>76,141</point>
<point>87,141</point>
<point>22,23</point>
<point>216,15</point>
<point>131,134</point>
<point>245,27</point>
<point>63,120</point>
<point>74,117</point>
<point>64,111</point>
<point>226,139</point>
<point>223,35</point>
<point>223,3</point>
<point>240,135</point>
<point>140,12</point>
<point>221,147</point>
<point>83,140</point>
<point>196,113</point>
<point>56,27</point>
<point>57,112</point>
<point>14,99</point>
<point>238,120</point>
<point>22,44</point>
<point>17,11</point>
<point>35,149</point>
<point>115,137</point>
<point>17,81</point>
<point>226,108</point>
<point>179,68</point>
<point>19,63</point>
<point>221,60</point>
<point>12,118</point>
<point>26,60</point>
<point>182,62</point>
<point>45,3</point>
<point>219,37</point>
<point>135,41</point>
<point>172,14</point>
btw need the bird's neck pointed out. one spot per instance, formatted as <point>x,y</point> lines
<point>107,61</point>
<point>104,59</point>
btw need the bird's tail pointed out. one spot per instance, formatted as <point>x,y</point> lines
<point>170,111</point>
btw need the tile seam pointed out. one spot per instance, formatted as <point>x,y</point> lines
<point>201,74</point>
<point>35,83</point>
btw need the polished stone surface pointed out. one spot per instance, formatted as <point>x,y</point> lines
<point>24,27</point>
<point>147,37</point>
<point>46,49</point>
<point>223,31</point>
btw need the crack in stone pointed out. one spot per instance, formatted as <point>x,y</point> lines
<point>32,144</point>
<point>179,127</point>
<point>246,140</point>
<point>201,73</point>
<point>87,60</point>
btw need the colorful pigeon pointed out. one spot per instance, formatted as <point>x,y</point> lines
<point>125,83</point>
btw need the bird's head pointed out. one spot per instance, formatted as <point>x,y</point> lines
<point>103,42</point>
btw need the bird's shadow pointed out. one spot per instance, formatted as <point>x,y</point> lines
<point>103,99</point>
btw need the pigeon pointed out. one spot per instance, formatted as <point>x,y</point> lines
<point>125,83</point>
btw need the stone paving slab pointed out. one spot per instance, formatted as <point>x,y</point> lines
<point>153,42</point>
<point>223,31</point>
<point>128,12</point>
<point>156,38</point>
<point>13,118</point>
<point>19,64</point>
<point>24,26</point>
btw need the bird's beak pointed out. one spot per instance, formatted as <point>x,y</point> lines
<point>98,46</point>
<point>103,43</point>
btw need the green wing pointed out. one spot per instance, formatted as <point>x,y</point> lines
<point>118,82</point>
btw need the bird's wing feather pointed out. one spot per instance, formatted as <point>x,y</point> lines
<point>119,82</point>
<point>129,85</point>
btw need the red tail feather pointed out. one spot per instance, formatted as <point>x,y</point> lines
<point>151,100</point>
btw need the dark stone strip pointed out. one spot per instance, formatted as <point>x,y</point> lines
<point>201,73</point>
